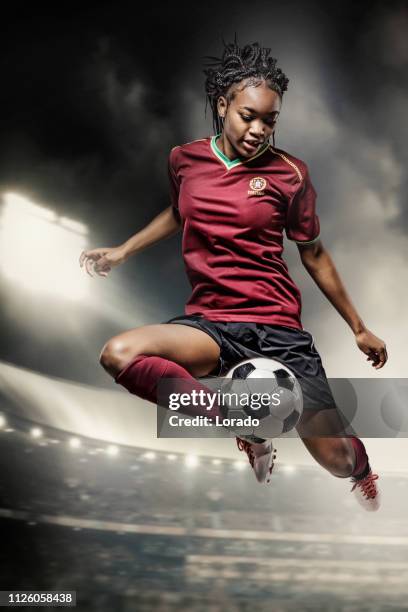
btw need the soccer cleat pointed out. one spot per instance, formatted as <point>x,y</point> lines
<point>366,492</point>
<point>261,457</point>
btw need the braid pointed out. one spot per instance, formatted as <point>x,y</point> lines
<point>249,62</point>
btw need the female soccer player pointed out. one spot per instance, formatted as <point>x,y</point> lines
<point>233,194</point>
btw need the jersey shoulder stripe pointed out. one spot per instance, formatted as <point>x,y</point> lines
<point>288,161</point>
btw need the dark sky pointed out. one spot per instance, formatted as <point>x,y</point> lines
<point>94,98</point>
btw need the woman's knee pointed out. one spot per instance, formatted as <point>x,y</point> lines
<point>116,353</point>
<point>336,455</point>
<point>340,463</point>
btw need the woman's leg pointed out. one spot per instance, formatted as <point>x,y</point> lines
<point>342,456</point>
<point>139,358</point>
<point>188,346</point>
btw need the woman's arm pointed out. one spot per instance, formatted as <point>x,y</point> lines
<point>166,224</point>
<point>321,268</point>
<point>103,259</point>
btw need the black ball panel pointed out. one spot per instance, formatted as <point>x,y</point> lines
<point>243,371</point>
<point>284,379</point>
<point>290,421</point>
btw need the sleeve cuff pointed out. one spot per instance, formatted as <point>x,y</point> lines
<point>306,241</point>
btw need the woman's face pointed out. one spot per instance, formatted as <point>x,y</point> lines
<point>250,117</point>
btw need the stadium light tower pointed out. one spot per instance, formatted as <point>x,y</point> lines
<point>39,250</point>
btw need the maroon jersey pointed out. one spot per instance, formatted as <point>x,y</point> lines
<point>233,214</point>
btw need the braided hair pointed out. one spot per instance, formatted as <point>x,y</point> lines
<point>250,62</point>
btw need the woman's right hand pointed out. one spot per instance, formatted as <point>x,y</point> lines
<point>102,260</point>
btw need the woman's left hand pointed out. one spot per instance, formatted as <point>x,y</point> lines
<point>373,347</point>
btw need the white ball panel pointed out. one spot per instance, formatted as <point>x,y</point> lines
<point>269,427</point>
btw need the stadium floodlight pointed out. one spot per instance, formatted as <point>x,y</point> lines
<point>216,461</point>
<point>36,432</point>
<point>289,469</point>
<point>3,421</point>
<point>171,457</point>
<point>39,250</point>
<point>112,450</point>
<point>240,465</point>
<point>149,455</point>
<point>74,442</point>
<point>191,461</point>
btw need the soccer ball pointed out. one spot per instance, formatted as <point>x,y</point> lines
<point>265,390</point>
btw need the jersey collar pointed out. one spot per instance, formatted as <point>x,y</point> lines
<point>231,163</point>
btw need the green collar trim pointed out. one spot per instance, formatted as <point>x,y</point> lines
<point>231,163</point>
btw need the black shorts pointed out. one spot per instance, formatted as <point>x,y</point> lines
<point>293,347</point>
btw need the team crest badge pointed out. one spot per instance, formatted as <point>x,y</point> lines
<point>257,186</point>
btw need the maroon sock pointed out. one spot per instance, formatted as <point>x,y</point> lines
<point>141,377</point>
<point>361,467</point>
